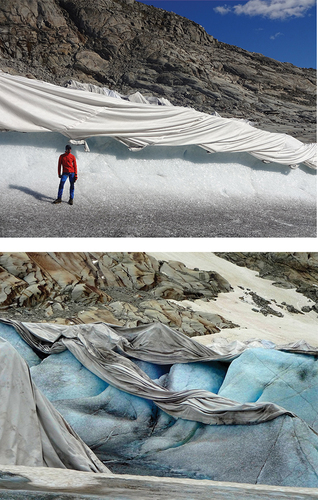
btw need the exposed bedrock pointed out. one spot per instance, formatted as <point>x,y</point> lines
<point>123,288</point>
<point>131,47</point>
<point>133,288</point>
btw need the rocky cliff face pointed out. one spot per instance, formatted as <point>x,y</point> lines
<point>120,288</point>
<point>129,46</point>
<point>133,288</point>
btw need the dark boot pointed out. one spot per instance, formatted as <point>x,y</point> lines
<point>70,201</point>
<point>58,200</point>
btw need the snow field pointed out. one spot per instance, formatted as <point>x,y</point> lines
<point>238,306</point>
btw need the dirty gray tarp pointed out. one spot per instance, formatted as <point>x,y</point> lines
<point>32,432</point>
<point>104,349</point>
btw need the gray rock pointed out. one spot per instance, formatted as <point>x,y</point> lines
<point>128,46</point>
<point>122,288</point>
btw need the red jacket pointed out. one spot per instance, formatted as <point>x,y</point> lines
<point>68,162</point>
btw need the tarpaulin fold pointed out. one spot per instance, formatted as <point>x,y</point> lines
<point>32,431</point>
<point>108,352</point>
<point>28,105</point>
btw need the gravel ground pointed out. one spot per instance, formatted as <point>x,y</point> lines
<point>34,216</point>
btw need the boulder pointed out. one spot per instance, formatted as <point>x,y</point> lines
<point>122,288</point>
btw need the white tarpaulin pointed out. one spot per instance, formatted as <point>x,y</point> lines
<point>32,431</point>
<point>28,105</point>
<point>136,97</point>
<point>104,349</point>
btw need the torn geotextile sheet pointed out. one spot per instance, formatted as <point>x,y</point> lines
<point>28,105</point>
<point>105,350</point>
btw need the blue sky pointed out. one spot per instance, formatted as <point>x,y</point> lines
<point>282,29</point>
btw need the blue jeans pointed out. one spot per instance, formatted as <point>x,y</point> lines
<point>62,182</point>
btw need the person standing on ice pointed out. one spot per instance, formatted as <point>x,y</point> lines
<point>68,162</point>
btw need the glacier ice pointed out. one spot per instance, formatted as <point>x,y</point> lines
<point>8,333</point>
<point>159,191</point>
<point>63,377</point>
<point>289,380</point>
<point>132,435</point>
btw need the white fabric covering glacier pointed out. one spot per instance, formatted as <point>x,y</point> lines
<point>104,349</point>
<point>136,97</point>
<point>28,105</point>
<point>32,431</point>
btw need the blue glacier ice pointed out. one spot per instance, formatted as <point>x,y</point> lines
<point>207,376</point>
<point>153,371</point>
<point>109,420</point>
<point>132,435</point>
<point>61,376</point>
<point>283,451</point>
<point>8,333</point>
<point>289,380</point>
